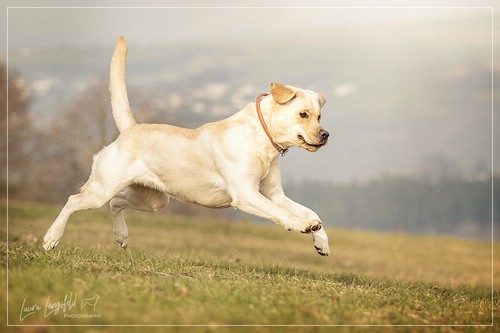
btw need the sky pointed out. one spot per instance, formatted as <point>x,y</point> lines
<point>80,25</point>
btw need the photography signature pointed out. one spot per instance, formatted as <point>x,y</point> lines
<point>66,306</point>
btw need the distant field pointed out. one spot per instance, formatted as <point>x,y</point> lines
<point>190,271</point>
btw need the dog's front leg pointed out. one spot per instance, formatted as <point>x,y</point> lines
<point>320,238</point>
<point>251,201</point>
<point>271,188</point>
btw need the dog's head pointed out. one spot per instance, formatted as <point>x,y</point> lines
<point>296,114</point>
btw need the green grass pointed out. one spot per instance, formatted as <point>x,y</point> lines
<point>190,271</point>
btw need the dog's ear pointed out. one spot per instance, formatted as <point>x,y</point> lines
<point>322,100</point>
<point>281,93</point>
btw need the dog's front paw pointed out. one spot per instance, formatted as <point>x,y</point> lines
<point>314,226</point>
<point>320,240</point>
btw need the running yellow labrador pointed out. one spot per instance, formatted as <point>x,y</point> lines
<point>229,163</point>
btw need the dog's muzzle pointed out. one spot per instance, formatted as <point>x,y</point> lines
<point>323,136</point>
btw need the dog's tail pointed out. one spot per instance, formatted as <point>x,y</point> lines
<point>119,100</point>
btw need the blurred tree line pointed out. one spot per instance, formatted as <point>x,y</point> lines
<point>46,159</point>
<point>49,160</point>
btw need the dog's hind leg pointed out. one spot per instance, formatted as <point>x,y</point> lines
<point>92,197</point>
<point>136,197</point>
<point>106,179</point>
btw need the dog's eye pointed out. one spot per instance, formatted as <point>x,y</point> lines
<point>304,115</point>
<point>319,117</point>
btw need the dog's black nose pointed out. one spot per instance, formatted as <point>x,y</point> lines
<point>323,135</point>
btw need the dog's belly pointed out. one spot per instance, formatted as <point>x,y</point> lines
<point>200,187</point>
<point>206,197</point>
<point>189,188</point>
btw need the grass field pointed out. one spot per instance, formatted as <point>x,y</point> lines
<point>190,271</point>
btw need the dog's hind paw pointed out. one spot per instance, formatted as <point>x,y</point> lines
<point>121,239</point>
<point>123,243</point>
<point>49,243</point>
<point>51,238</point>
<point>121,234</point>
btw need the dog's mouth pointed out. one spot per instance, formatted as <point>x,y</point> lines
<point>310,146</point>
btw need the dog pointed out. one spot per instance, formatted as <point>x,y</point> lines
<point>233,162</point>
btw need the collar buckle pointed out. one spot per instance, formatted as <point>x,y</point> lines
<point>283,151</point>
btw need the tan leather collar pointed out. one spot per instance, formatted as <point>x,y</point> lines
<point>264,126</point>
